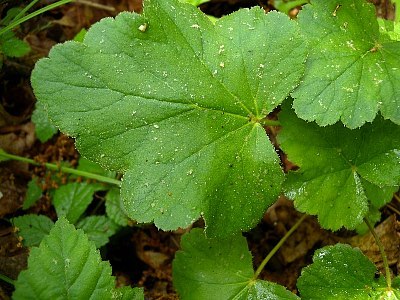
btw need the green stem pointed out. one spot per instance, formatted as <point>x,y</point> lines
<point>15,23</point>
<point>277,246</point>
<point>24,10</point>
<point>63,169</point>
<point>382,251</point>
<point>397,10</point>
<point>7,279</point>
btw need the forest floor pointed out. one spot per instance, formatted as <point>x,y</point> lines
<point>141,255</point>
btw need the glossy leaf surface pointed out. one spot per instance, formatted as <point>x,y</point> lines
<point>341,170</point>
<point>352,71</point>
<point>175,101</point>
<point>341,272</point>
<point>66,266</point>
<point>220,269</point>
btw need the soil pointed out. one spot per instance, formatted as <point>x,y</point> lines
<point>142,255</point>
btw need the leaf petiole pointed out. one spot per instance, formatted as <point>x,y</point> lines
<point>55,167</point>
<point>24,10</point>
<point>16,22</point>
<point>7,279</point>
<point>277,246</point>
<point>382,251</point>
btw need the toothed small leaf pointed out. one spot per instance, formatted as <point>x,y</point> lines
<point>340,169</point>
<point>352,71</point>
<point>341,272</point>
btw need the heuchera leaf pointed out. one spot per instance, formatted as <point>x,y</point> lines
<point>213,268</point>
<point>340,168</point>
<point>175,102</point>
<point>98,229</point>
<point>341,272</point>
<point>32,228</point>
<point>72,199</point>
<point>352,71</point>
<point>66,266</point>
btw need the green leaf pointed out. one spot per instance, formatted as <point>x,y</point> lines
<point>66,266</point>
<point>286,6</point>
<point>2,158</point>
<point>175,103</point>
<point>11,46</point>
<point>340,168</point>
<point>79,37</point>
<point>396,287</point>
<point>341,272</point>
<point>194,2</point>
<point>128,293</point>
<point>219,269</point>
<point>72,199</point>
<point>389,28</point>
<point>98,229</point>
<point>32,228</point>
<point>114,207</point>
<point>92,167</point>
<point>11,14</point>
<point>33,194</point>
<point>352,70</point>
<point>44,129</point>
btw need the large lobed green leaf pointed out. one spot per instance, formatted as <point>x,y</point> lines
<point>220,269</point>
<point>175,102</point>
<point>353,70</point>
<point>341,272</point>
<point>67,266</point>
<point>341,170</point>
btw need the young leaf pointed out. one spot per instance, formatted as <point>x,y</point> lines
<point>114,207</point>
<point>69,266</point>
<point>98,229</point>
<point>66,266</point>
<point>352,70</point>
<point>72,199</point>
<point>219,269</point>
<point>33,193</point>
<point>44,129</point>
<point>340,168</point>
<point>11,46</point>
<point>341,272</point>
<point>175,102</point>
<point>32,228</point>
